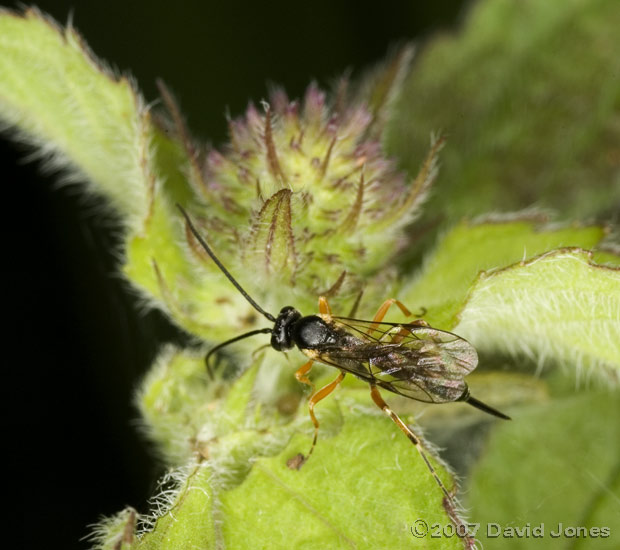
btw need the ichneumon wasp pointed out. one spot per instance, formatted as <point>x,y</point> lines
<point>413,359</point>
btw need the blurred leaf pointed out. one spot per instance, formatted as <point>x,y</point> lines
<point>528,94</point>
<point>93,123</point>
<point>556,463</point>
<point>607,257</point>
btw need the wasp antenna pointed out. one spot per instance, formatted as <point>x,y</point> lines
<point>232,341</point>
<point>221,266</point>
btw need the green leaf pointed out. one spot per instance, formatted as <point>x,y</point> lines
<point>173,402</point>
<point>116,532</point>
<point>94,123</point>
<point>607,257</point>
<point>559,306</point>
<point>443,285</point>
<point>556,463</point>
<point>495,284</point>
<point>85,118</point>
<point>360,451</point>
<point>188,520</point>
<point>81,115</point>
<point>528,94</point>
<point>364,487</point>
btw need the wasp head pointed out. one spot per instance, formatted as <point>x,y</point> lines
<point>281,335</point>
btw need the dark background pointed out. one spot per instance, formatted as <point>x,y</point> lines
<point>77,345</point>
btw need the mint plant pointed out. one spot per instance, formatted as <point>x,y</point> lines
<point>326,195</point>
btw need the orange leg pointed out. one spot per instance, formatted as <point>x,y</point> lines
<point>449,503</point>
<point>381,313</point>
<point>376,397</point>
<point>301,372</point>
<point>400,335</point>
<point>404,331</point>
<point>318,396</point>
<point>324,308</point>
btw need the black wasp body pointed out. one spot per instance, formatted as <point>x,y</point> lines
<point>413,359</point>
<point>292,329</point>
<point>309,334</point>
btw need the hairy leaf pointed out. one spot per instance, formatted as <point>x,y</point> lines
<point>82,116</point>
<point>449,272</point>
<point>250,487</point>
<point>558,306</point>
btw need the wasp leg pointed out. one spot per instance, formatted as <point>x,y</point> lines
<point>423,312</point>
<point>400,335</point>
<point>382,312</point>
<point>324,308</point>
<point>316,397</point>
<point>298,460</point>
<point>376,397</point>
<point>448,502</point>
<point>405,330</point>
<point>301,372</point>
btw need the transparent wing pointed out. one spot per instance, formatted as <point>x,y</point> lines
<point>419,362</point>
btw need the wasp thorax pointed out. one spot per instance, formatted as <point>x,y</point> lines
<point>312,332</point>
<point>281,335</point>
